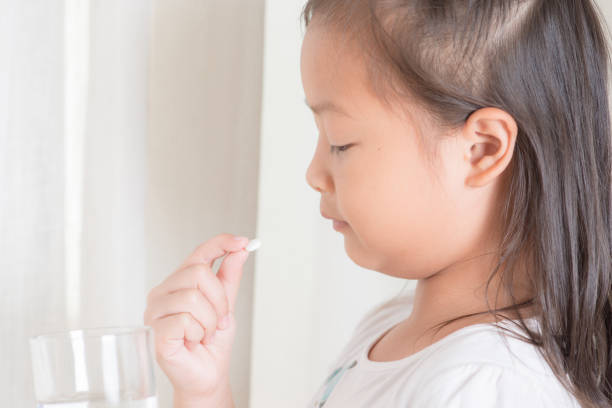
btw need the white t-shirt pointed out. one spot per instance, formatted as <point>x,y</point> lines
<point>471,367</point>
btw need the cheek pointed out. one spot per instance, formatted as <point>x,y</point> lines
<point>398,213</point>
<point>405,209</point>
<point>387,197</point>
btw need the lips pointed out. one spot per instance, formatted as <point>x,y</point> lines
<point>329,218</point>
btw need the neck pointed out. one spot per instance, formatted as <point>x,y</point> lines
<point>460,290</point>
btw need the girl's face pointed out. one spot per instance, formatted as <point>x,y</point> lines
<point>402,219</point>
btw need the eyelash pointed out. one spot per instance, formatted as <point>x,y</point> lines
<point>339,149</point>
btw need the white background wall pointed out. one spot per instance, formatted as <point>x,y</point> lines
<point>132,131</point>
<point>308,293</point>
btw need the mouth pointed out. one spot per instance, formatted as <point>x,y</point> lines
<point>337,224</point>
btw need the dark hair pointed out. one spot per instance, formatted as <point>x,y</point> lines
<point>546,63</point>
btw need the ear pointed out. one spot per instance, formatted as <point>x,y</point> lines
<point>489,135</point>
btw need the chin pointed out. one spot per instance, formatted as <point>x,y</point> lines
<point>379,263</point>
<point>362,257</point>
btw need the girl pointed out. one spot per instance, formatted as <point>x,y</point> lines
<point>465,144</point>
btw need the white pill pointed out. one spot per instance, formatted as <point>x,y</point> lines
<point>253,245</point>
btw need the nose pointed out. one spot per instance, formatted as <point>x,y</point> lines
<point>317,176</point>
<point>311,179</point>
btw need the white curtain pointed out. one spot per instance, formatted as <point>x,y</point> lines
<point>129,134</point>
<point>32,187</point>
<point>73,122</point>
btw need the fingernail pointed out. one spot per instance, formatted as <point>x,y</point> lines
<point>243,240</point>
<point>224,322</point>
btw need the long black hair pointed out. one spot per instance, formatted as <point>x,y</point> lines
<point>545,62</point>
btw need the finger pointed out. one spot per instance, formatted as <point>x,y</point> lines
<point>197,276</point>
<point>214,248</point>
<point>170,332</point>
<point>230,274</point>
<point>186,300</point>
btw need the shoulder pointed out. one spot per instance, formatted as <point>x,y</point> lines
<point>486,343</point>
<point>484,366</point>
<point>489,385</point>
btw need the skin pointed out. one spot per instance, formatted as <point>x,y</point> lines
<point>405,219</point>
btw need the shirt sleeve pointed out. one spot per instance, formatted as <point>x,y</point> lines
<point>485,385</point>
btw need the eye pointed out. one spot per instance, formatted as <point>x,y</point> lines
<point>339,149</point>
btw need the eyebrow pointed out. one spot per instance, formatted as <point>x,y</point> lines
<point>327,106</point>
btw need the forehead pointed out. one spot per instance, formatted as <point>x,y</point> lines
<point>332,72</point>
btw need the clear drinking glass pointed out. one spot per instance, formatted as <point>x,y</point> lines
<point>95,368</point>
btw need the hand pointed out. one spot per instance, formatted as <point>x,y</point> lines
<point>185,311</point>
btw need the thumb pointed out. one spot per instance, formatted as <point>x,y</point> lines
<point>230,274</point>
